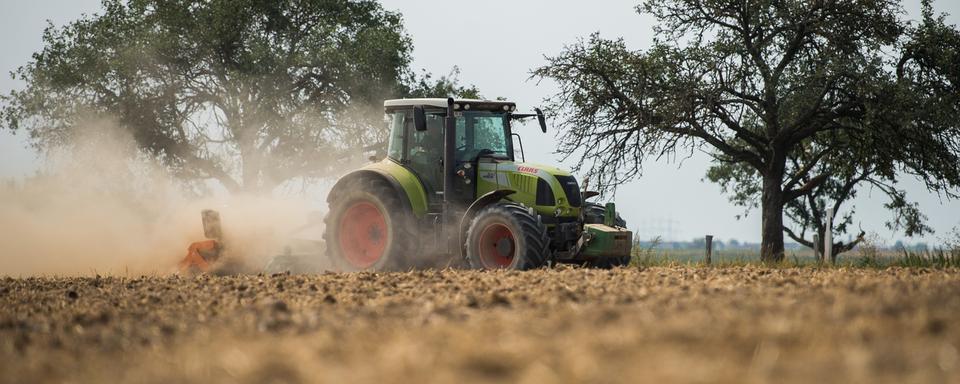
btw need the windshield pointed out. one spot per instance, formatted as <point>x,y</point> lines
<point>479,131</point>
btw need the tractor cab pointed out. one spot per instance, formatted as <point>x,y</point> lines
<point>483,134</point>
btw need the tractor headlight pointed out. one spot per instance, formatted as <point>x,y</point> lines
<point>558,212</point>
<point>456,106</point>
<point>466,107</point>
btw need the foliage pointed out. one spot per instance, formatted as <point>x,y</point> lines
<point>425,86</point>
<point>245,92</point>
<point>940,258</point>
<point>869,250</point>
<point>952,241</point>
<point>645,256</point>
<point>798,103</point>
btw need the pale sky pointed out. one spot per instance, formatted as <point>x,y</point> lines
<point>496,43</point>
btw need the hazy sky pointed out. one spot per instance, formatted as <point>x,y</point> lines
<point>496,43</point>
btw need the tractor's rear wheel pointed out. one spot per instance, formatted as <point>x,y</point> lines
<point>594,213</point>
<point>367,228</point>
<point>507,236</point>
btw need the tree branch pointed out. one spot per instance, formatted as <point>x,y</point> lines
<point>806,188</point>
<point>807,167</point>
<point>797,238</point>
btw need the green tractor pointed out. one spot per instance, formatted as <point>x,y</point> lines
<point>451,193</point>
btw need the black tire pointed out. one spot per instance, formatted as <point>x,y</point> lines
<point>527,243</point>
<point>400,240</point>
<point>594,213</point>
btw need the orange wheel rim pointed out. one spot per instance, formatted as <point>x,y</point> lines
<point>362,234</point>
<point>498,246</point>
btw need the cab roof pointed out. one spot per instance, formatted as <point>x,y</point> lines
<point>475,104</point>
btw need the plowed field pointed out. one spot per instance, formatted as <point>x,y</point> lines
<point>746,324</point>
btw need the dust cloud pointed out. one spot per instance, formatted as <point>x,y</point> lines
<point>100,206</point>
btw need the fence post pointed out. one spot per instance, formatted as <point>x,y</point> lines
<point>828,239</point>
<point>709,248</point>
<point>816,248</point>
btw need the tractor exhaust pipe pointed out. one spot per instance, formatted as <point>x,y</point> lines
<point>449,167</point>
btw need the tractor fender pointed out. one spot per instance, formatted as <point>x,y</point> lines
<point>488,198</point>
<point>371,173</point>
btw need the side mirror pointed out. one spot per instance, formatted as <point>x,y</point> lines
<point>541,119</point>
<point>419,119</point>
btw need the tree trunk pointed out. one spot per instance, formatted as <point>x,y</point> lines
<point>771,206</point>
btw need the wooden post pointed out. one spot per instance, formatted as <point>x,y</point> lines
<point>816,248</point>
<point>828,239</point>
<point>709,248</point>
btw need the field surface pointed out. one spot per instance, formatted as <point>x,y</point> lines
<point>732,324</point>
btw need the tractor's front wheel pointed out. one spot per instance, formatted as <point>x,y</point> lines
<point>367,228</point>
<point>507,236</point>
<point>594,213</point>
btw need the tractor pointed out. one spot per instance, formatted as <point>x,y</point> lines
<point>450,193</point>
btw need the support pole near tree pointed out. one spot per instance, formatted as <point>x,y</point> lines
<point>709,249</point>
<point>816,248</point>
<point>828,239</point>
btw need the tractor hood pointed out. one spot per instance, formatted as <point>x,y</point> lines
<point>551,190</point>
<point>549,169</point>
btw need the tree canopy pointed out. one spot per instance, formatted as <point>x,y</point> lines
<point>249,93</point>
<point>799,103</point>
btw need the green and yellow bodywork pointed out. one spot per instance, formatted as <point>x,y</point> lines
<point>416,194</point>
<point>524,179</point>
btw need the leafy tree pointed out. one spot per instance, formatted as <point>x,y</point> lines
<point>425,86</point>
<point>797,102</point>
<point>249,93</point>
<point>936,47</point>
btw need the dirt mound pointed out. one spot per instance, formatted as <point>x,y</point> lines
<point>562,325</point>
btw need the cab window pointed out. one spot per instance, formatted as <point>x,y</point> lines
<point>395,145</point>
<point>479,131</point>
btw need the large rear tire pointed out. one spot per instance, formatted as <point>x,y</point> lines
<point>594,213</point>
<point>367,228</point>
<point>507,236</point>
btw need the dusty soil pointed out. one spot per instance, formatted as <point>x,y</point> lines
<point>564,325</point>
